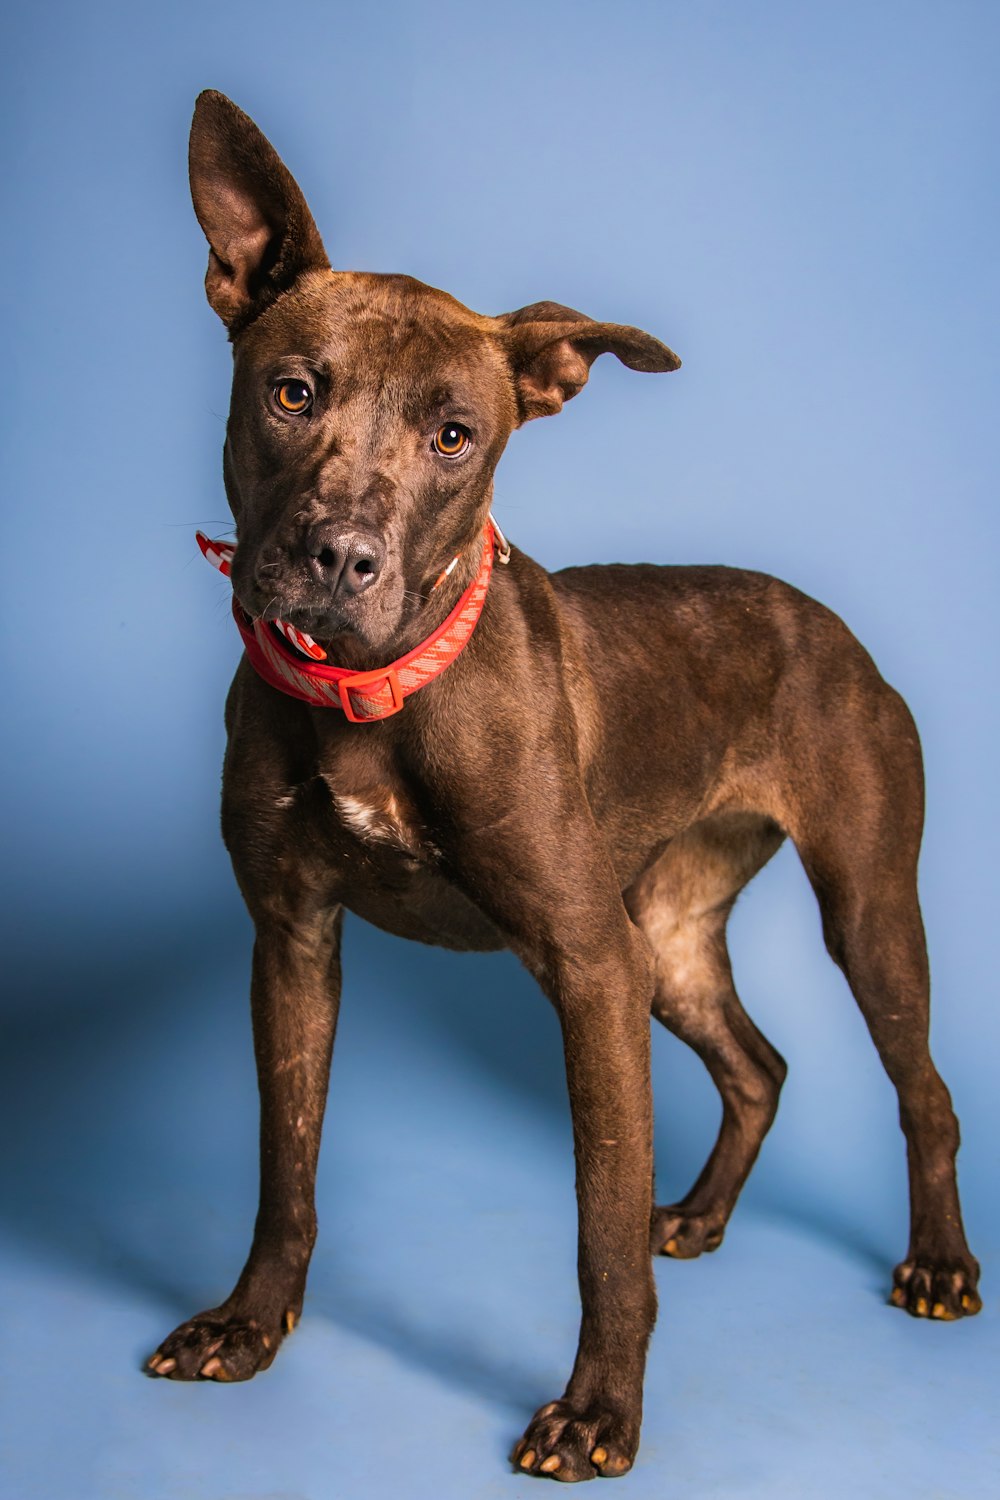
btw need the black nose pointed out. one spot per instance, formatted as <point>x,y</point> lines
<point>345,562</point>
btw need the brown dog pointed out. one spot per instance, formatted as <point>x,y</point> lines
<point>609,759</point>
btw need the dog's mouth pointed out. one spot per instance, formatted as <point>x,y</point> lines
<point>310,624</point>
<point>220,555</point>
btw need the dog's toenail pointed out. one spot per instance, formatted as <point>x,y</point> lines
<point>898,1296</point>
<point>547,1411</point>
<point>210,1366</point>
<point>265,1339</point>
<point>166,1366</point>
<point>599,1456</point>
<point>527,1459</point>
<point>670,1248</point>
<point>921,1308</point>
<point>551,1464</point>
<point>289,1321</point>
<point>153,1361</point>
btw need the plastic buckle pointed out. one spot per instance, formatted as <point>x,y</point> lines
<point>358,680</point>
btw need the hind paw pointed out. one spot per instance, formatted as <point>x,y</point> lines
<point>682,1235</point>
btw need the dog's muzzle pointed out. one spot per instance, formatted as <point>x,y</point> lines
<point>362,696</point>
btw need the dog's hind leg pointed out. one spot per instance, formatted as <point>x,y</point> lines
<point>860,852</point>
<point>682,904</point>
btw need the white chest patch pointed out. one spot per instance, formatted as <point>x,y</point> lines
<point>377,820</point>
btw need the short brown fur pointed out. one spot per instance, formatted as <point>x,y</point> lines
<point>516,801</point>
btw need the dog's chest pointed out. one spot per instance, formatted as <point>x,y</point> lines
<point>380,853</point>
<point>380,817</point>
<point>370,808</point>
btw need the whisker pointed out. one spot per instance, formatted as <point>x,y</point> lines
<point>227,525</point>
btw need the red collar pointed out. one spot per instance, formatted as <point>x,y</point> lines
<point>362,695</point>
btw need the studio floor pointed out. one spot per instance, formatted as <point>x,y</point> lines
<point>442,1302</point>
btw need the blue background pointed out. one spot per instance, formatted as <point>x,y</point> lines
<point>800,199</point>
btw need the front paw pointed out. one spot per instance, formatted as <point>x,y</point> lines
<point>569,1442</point>
<point>217,1345</point>
<point>928,1287</point>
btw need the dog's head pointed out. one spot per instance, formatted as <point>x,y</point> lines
<point>368,411</point>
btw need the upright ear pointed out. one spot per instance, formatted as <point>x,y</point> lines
<point>260,232</point>
<point>551,349</point>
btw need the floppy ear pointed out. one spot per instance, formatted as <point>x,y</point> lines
<point>551,349</point>
<point>260,233</point>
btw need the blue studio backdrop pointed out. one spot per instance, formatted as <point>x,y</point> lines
<point>801,200</point>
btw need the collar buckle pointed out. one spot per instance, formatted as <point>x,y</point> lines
<point>503,546</point>
<point>385,677</point>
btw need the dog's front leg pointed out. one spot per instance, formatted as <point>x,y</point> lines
<point>602,998</point>
<point>295,995</point>
<point>542,873</point>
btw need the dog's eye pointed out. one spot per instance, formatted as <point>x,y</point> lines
<point>451,440</point>
<point>293,396</point>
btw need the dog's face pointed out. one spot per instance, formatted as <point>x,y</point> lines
<point>368,415</point>
<point>368,412</point>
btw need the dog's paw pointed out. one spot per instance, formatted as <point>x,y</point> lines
<point>568,1442</point>
<point>944,1290</point>
<point>682,1235</point>
<point>215,1345</point>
